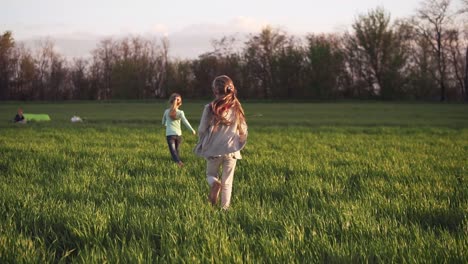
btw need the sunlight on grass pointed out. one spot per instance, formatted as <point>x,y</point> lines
<point>342,182</point>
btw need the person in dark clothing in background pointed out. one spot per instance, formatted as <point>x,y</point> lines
<point>19,118</point>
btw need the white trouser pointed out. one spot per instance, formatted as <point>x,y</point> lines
<point>228,163</point>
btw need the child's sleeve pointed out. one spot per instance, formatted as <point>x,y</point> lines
<point>186,122</point>
<point>243,131</point>
<point>204,121</point>
<point>164,118</point>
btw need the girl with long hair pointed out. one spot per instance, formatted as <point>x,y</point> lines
<point>171,119</point>
<point>222,134</point>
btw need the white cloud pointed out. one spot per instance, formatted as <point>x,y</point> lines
<point>160,29</point>
<point>69,47</point>
<point>196,39</point>
<point>247,24</point>
<point>236,25</point>
<point>190,42</point>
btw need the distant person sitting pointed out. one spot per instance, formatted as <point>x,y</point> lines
<point>19,118</point>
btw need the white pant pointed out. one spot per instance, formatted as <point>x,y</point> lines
<point>228,163</point>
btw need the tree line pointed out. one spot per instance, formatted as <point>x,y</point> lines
<point>423,57</point>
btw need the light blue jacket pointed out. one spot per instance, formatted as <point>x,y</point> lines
<point>173,126</point>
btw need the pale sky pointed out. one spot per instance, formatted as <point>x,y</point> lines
<point>87,19</point>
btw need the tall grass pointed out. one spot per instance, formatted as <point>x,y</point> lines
<point>343,182</point>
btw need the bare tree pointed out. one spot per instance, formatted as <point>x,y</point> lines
<point>26,74</point>
<point>160,62</point>
<point>464,10</point>
<point>180,77</point>
<point>7,63</point>
<point>423,84</point>
<point>325,64</point>
<point>103,62</point>
<point>456,60</point>
<point>127,73</point>
<point>378,51</point>
<point>51,72</point>
<point>466,74</point>
<point>290,70</point>
<point>80,81</point>
<point>224,46</point>
<point>259,53</point>
<point>432,17</point>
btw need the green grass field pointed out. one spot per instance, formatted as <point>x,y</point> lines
<point>319,182</point>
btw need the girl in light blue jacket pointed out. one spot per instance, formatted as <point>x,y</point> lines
<point>171,119</point>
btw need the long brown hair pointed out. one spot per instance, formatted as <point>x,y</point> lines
<point>174,105</point>
<point>226,99</point>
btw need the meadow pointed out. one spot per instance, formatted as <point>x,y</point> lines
<point>344,182</point>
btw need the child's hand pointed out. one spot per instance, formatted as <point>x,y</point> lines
<point>194,132</point>
<point>242,137</point>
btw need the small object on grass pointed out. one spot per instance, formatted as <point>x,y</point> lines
<point>75,119</point>
<point>37,117</point>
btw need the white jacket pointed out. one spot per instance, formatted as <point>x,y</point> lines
<point>223,140</point>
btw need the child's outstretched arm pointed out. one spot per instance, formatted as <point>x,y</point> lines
<point>164,118</point>
<point>186,122</point>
